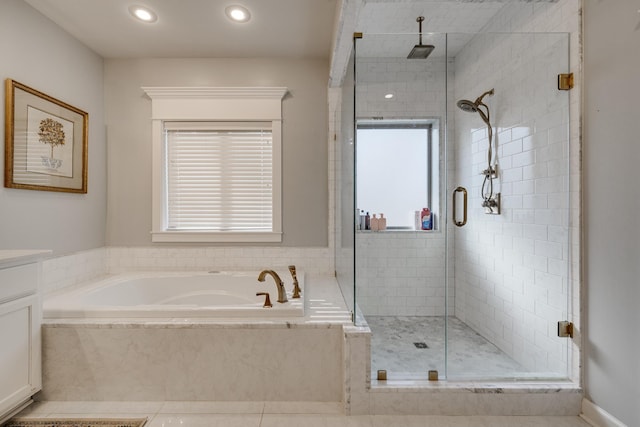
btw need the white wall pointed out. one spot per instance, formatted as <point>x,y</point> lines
<point>39,54</point>
<point>611,206</point>
<point>512,283</point>
<point>304,146</point>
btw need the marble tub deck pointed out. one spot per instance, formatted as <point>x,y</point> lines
<point>276,414</point>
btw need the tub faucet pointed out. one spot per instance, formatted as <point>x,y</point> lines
<point>282,295</point>
<point>296,286</point>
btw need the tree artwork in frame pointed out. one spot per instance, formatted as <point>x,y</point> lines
<point>45,142</point>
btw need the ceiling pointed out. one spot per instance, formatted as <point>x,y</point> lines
<point>197,28</point>
<point>278,28</point>
<point>392,29</point>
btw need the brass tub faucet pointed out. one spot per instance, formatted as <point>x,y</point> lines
<point>282,295</point>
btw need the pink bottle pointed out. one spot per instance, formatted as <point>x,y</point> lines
<point>382,222</point>
<point>375,223</point>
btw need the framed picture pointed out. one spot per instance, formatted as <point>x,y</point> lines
<point>45,142</point>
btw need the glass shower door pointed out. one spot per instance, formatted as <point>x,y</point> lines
<point>510,271</point>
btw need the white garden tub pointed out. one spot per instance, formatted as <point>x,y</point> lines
<point>171,295</point>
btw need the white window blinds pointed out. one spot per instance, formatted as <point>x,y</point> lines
<point>219,176</point>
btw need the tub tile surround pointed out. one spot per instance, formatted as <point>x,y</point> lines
<point>76,269</point>
<point>73,269</point>
<point>317,261</point>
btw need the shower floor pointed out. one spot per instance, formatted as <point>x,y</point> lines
<point>407,347</point>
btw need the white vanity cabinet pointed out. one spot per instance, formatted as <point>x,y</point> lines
<point>20,319</point>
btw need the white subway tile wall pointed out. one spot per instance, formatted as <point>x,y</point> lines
<point>512,271</point>
<point>401,273</point>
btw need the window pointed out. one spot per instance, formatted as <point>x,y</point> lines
<point>397,164</point>
<point>216,164</point>
<point>219,176</point>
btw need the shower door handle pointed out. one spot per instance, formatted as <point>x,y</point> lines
<point>464,206</point>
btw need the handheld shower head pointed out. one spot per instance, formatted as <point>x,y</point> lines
<point>420,51</point>
<point>467,106</point>
<point>474,107</point>
<point>490,172</point>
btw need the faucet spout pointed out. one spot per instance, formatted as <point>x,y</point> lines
<point>282,295</point>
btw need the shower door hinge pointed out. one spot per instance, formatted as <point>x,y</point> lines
<point>565,81</point>
<point>565,329</point>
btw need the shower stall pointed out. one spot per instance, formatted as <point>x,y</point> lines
<point>464,147</point>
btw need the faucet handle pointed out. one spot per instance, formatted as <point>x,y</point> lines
<point>292,270</point>
<point>296,286</point>
<point>267,300</point>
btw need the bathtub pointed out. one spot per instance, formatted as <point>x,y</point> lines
<point>217,294</point>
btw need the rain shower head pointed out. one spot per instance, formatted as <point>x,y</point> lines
<point>420,51</point>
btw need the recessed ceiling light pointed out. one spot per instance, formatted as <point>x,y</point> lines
<point>143,14</point>
<point>389,96</point>
<point>237,13</point>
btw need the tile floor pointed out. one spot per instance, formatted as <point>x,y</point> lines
<point>469,355</point>
<point>274,414</point>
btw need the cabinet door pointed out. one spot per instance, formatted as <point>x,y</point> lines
<point>20,372</point>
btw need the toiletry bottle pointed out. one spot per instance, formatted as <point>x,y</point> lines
<point>367,222</point>
<point>425,216</point>
<point>382,222</point>
<point>375,223</point>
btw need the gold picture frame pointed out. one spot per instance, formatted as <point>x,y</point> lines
<point>46,142</point>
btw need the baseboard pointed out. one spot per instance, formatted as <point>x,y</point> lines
<point>598,417</point>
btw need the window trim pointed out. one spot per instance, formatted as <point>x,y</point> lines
<point>225,104</point>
